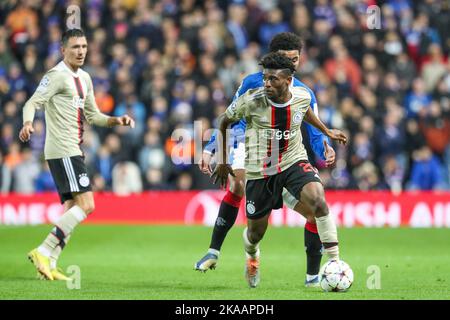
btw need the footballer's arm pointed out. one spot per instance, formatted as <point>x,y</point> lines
<point>222,169</point>
<point>48,87</point>
<point>95,117</point>
<point>334,134</point>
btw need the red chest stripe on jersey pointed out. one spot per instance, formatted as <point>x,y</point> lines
<point>284,143</point>
<point>282,124</point>
<point>79,110</point>
<point>273,125</point>
<point>268,159</point>
<point>79,87</point>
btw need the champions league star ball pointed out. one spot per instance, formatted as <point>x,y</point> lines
<point>336,276</point>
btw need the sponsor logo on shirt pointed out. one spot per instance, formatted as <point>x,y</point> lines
<point>280,135</point>
<point>78,102</point>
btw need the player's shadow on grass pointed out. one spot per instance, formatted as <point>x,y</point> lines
<point>19,278</point>
<point>172,286</point>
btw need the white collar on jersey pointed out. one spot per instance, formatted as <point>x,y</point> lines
<point>284,105</point>
<point>64,65</point>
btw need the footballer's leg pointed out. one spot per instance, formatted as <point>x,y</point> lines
<point>56,252</point>
<point>253,234</point>
<point>77,198</point>
<point>62,230</point>
<point>261,197</point>
<point>58,273</point>
<point>313,245</point>
<point>85,201</point>
<point>228,211</point>
<point>312,196</point>
<point>58,237</point>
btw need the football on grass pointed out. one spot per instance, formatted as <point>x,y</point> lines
<point>336,276</point>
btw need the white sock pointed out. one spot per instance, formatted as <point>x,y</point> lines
<point>328,234</point>
<point>251,250</point>
<point>53,263</point>
<point>309,277</point>
<point>333,252</point>
<point>214,251</point>
<point>44,251</point>
<point>57,252</point>
<point>64,227</point>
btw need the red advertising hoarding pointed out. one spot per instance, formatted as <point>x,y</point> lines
<point>349,208</point>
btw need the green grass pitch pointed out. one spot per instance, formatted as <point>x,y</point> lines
<point>156,262</point>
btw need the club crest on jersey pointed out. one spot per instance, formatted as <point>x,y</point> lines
<point>251,207</point>
<point>43,84</point>
<point>298,116</point>
<point>233,107</point>
<point>78,102</point>
<point>83,180</point>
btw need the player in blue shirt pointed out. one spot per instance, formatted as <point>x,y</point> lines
<point>289,44</point>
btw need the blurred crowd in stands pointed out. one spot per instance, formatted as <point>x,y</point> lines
<point>168,63</point>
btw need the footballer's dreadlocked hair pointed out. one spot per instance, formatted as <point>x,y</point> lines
<point>70,33</point>
<point>286,41</point>
<point>276,60</point>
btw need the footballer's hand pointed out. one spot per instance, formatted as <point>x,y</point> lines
<point>221,173</point>
<point>205,163</point>
<point>337,135</point>
<point>125,121</point>
<point>26,131</point>
<point>330,155</point>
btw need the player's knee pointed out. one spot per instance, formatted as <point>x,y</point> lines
<point>237,184</point>
<point>255,235</point>
<point>317,206</point>
<point>86,202</point>
<point>314,197</point>
<point>310,218</point>
<point>90,208</point>
<point>237,188</point>
<point>68,204</point>
<point>87,206</point>
<point>321,208</point>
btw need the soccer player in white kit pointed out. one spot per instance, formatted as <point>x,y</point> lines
<point>66,93</point>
